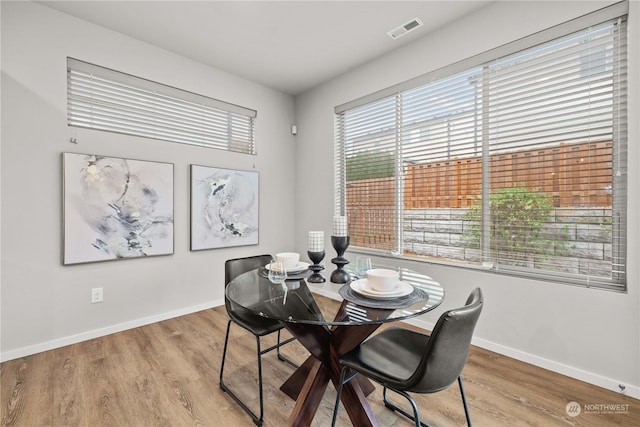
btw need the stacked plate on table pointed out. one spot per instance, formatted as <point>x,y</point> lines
<point>364,288</point>
<point>297,268</point>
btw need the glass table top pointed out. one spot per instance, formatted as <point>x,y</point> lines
<point>296,300</point>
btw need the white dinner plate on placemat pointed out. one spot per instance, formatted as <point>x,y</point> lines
<point>301,266</point>
<point>362,287</point>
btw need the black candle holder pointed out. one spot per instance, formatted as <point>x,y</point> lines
<point>340,244</point>
<point>316,257</point>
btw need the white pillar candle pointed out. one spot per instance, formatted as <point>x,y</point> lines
<point>340,226</point>
<point>316,241</point>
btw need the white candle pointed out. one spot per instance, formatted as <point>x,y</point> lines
<point>340,226</point>
<point>316,241</point>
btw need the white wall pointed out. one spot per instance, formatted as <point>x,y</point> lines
<point>589,334</point>
<point>45,304</point>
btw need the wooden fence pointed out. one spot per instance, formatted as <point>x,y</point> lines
<point>372,212</point>
<point>573,175</point>
<point>576,175</point>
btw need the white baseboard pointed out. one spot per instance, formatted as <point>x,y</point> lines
<point>96,333</point>
<point>560,368</point>
<point>588,377</point>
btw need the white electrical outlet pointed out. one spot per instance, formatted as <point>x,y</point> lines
<point>96,295</point>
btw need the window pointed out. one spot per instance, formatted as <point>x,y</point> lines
<point>103,99</point>
<point>512,162</point>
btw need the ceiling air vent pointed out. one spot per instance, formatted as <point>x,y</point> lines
<point>405,28</point>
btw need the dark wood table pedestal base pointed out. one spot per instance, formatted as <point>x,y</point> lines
<point>293,386</point>
<point>309,382</point>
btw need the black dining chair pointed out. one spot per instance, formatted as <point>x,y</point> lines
<point>405,361</point>
<point>258,326</point>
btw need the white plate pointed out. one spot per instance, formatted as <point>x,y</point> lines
<point>301,266</point>
<point>362,287</point>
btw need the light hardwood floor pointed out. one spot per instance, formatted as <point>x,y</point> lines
<point>166,374</point>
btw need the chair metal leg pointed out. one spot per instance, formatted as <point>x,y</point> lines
<point>259,420</point>
<point>343,380</point>
<point>224,354</point>
<point>416,415</point>
<point>464,402</point>
<point>280,355</point>
<point>256,419</point>
<point>339,395</point>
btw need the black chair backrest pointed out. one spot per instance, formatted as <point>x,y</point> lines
<point>448,347</point>
<point>235,267</point>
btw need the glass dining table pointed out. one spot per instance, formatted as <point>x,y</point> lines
<point>328,329</point>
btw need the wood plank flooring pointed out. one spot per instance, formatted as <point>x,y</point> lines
<point>166,374</point>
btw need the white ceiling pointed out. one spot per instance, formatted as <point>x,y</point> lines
<point>290,46</point>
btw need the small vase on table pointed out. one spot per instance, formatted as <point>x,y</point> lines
<point>340,242</point>
<point>316,255</point>
<point>316,267</point>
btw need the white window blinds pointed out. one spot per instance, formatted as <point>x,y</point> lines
<point>517,164</point>
<point>103,99</point>
<point>367,173</point>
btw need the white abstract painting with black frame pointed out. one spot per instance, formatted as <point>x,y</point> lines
<point>224,208</point>
<point>116,208</point>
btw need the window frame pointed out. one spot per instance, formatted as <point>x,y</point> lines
<point>617,11</point>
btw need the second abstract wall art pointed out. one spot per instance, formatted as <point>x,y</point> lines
<point>224,207</point>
